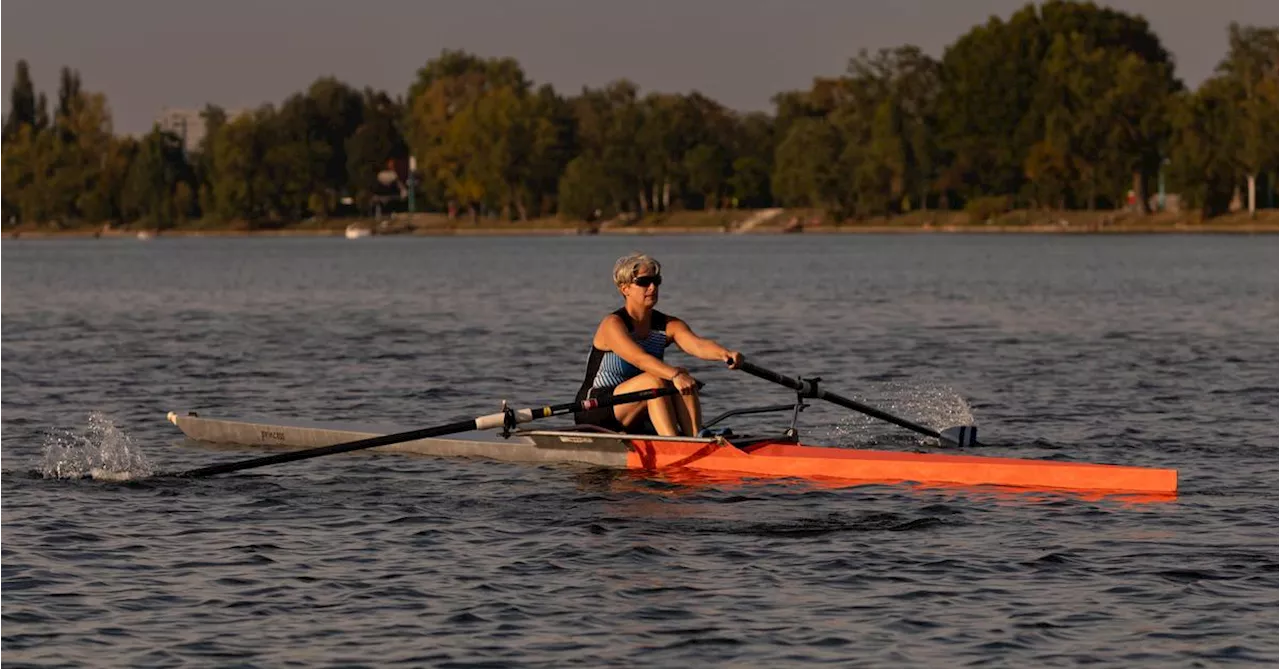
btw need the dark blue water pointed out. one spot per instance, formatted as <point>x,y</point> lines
<point>1147,350</point>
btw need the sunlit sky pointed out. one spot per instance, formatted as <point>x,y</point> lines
<point>149,54</point>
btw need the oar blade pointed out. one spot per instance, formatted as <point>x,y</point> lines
<point>961,435</point>
<point>964,435</point>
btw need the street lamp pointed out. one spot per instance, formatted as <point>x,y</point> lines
<point>1160,198</point>
<point>413,165</point>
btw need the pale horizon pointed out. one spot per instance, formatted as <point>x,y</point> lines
<point>146,55</point>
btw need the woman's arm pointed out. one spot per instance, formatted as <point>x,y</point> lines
<point>700,347</point>
<point>613,334</point>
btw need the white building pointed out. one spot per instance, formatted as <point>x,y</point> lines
<point>187,124</point>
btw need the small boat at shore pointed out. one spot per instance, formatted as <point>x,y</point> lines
<point>358,231</point>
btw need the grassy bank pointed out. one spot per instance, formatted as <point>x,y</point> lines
<point>706,222</point>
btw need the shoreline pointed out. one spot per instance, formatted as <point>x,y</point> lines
<point>724,222</point>
<point>1254,228</point>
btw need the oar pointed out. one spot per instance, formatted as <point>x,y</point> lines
<point>506,418</point>
<point>964,435</point>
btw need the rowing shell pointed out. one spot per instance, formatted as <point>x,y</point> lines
<point>759,457</point>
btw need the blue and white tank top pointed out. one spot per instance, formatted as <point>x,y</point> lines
<point>606,369</point>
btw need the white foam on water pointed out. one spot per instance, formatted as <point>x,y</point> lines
<point>938,407</point>
<point>100,451</point>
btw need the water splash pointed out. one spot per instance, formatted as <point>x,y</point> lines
<point>938,407</point>
<point>101,451</point>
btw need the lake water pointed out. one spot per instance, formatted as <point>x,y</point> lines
<point>1155,351</point>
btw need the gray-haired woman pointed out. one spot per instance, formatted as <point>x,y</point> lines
<point>627,355</point>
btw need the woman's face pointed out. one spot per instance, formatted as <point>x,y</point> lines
<point>643,289</point>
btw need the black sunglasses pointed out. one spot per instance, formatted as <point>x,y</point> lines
<point>646,281</point>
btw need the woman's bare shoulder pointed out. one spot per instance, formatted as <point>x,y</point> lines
<point>608,325</point>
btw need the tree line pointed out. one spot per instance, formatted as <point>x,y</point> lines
<point>1063,105</point>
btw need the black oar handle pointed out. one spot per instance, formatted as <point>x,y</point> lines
<point>809,388</point>
<point>508,416</point>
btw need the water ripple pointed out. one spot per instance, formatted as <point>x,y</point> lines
<point>1131,350</point>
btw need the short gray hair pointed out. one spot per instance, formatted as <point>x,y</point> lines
<point>627,267</point>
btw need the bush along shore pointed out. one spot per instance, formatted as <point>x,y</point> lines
<point>769,221</point>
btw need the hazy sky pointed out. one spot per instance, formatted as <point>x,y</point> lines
<point>148,54</point>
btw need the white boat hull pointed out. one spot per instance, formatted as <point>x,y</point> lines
<point>301,434</point>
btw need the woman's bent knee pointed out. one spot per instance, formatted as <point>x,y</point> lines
<point>652,381</point>
<point>644,381</point>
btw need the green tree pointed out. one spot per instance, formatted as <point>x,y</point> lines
<point>492,142</point>
<point>22,101</point>
<point>554,145</point>
<point>880,170</point>
<point>994,106</point>
<point>157,173</point>
<point>444,87</point>
<point>201,160</point>
<point>56,175</point>
<point>807,173</point>
<point>68,90</point>
<point>333,112</point>
<point>22,158</point>
<point>1249,80</point>
<point>662,141</point>
<point>102,201</point>
<point>1050,171</point>
<point>886,116</point>
<point>988,82</point>
<point>234,179</point>
<point>42,112</point>
<point>749,182</point>
<point>609,122</point>
<point>294,162</point>
<point>1137,102</point>
<point>884,113</point>
<point>707,167</point>
<point>80,144</point>
<point>1202,169</point>
<point>375,142</point>
<point>584,190</point>
<point>752,149</point>
<point>1077,78</point>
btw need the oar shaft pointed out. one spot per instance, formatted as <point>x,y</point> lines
<point>809,388</point>
<point>491,421</point>
<point>346,447</point>
<point>769,375</point>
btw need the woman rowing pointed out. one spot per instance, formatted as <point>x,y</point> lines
<point>626,356</point>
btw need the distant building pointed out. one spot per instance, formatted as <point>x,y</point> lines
<point>187,124</point>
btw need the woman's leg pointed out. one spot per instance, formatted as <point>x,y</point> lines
<point>659,408</point>
<point>689,414</point>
